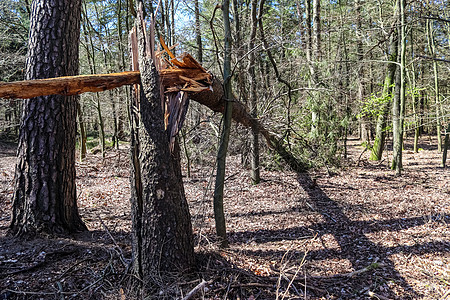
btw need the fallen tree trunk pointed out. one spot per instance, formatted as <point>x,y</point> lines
<point>212,97</point>
<point>69,85</point>
<point>216,101</point>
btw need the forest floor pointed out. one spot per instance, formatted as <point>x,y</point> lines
<point>361,233</point>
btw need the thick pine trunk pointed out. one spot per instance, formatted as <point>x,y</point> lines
<point>45,195</point>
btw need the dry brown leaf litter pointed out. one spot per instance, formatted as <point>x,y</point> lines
<point>342,237</point>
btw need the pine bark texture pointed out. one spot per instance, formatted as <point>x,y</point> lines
<point>162,230</point>
<point>45,192</point>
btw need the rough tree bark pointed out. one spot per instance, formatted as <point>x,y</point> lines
<point>162,230</point>
<point>45,195</point>
<point>67,85</point>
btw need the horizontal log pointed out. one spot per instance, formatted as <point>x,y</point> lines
<point>211,96</point>
<point>172,79</point>
<point>69,85</point>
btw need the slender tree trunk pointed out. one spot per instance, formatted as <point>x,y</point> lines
<point>92,67</point>
<point>253,93</point>
<point>198,32</point>
<point>45,191</point>
<point>223,146</point>
<point>343,81</point>
<point>107,57</point>
<point>101,124</point>
<point>314,59</point>
<point>396,131</point>
<point>123,64</point>
<point>365,121</point>
<point>172,23</point>
<point>238,47</point>
<point>400,101</point>
<point>446,146</point>
<point>115,138</point>
<point>317,41</point>
<point>380,133</point>
<point>432,47</point>
<point>83,137</point>
<point>414,97</point>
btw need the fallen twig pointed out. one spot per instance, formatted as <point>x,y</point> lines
<point>60,290</point>
<point>122,257</point>
<point>71,268</point>
<point>196,289</point>
<point>372,266</point>
<point>309,287</point>
<point>359,158</point>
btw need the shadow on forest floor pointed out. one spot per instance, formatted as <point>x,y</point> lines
<point>370,261</point>
<point>333,237</point>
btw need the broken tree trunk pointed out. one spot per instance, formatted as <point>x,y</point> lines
<point>215,101</point>
<point>184,74</point>
<point>69,85</point>
<point>162,231</point>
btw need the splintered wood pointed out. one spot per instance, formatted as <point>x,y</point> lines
<point>179,78</point>
<point>69,85</point>
<point>185,74</point>
<point>182,74</point>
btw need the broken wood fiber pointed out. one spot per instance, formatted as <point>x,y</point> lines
<point>183,74</point>
<point>69,85</point>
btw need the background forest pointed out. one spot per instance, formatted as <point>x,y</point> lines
<point>344,91</point>
<point>315,72</point>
